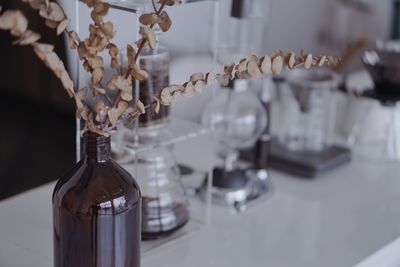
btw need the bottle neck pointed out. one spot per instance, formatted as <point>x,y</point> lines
<point>96,147</point>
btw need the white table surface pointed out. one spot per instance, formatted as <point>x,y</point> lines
<point>349,217</point>
<point>337,220</point>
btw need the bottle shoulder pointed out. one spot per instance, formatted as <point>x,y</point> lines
<point>96,188</point>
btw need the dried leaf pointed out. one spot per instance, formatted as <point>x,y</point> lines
<point>73,40</point>
<point>149,36</point>
<point>188,90</point>
<point>164,21</point>
<point>21,25</point>
<point>131,52</point>
<point>51,24</point>
<point>108,29</point>
<point>37,4</point>
<point>135,111</point>
<point>80,97</point>
<point>148,19</point>
<point>53,12</point>
<point>333,61</point>
<point>166,95</point>
<point>53,62</point>
<point>139,74</point>
<point>176,95</point>
<point>253,58</point>
<point>253,70</point>
<point>228,70</point>
<point>95,62</point>
<point>28,38</point>
<point>97,75</point>
<point>83,113</point>
<point>308,61</point>
<point>101,111</point>
<point>8,20</point>
<point>210,78</point>
<point>67,83</point>
<point>276,53</point>
<point>43,48</point>
<point>223,79</point>
<point>115,113</point>
<point>119,82</point>
<point>196,77</point>
<point>140,106</point>
<point>82,51</point>
<point>242,66</point>
<point>15,21</point>
<point>156,106</point>
<point>100,10</point>
<point>98,90</point>
<point>170,2</point>
<point>291,60</point>
<point>241,75</point>
<point>266,65</point>
<point>322,61</point>
<point>277,65</point>
<point>62,26</point>
<point>198,86</point>
<point>113,50</point>
<point>91,126</point>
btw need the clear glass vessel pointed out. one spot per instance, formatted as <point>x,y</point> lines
<point>165,204</point>
<point>241,28</point>
<point>156,63</point>
<point>97,211</point>
<point>305,109</point>
<point>237,115</point>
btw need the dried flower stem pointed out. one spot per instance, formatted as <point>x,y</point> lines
<point>139,51</point>
<point>143,43</point>
<point>154,5</point>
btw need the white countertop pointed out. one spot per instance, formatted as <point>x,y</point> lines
<point>337,220</point>
<point>349,217</point>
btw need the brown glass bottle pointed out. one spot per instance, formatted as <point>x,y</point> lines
<point>97,212</point>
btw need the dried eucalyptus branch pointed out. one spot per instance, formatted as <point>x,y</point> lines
<point>16,23</point>
<point>107,114</point>
<point>250,67</point>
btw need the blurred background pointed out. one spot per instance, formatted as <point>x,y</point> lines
<point>37,136</point>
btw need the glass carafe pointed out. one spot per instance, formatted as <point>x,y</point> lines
<point>165,204</point>
<point>305,109</point>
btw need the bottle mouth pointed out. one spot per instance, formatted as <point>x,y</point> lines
<point>90,137</point>
<point>96,146</point>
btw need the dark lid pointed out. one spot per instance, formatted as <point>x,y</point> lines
<point>241,8</point>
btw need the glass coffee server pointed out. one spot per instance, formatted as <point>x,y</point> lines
<point>150,147</point>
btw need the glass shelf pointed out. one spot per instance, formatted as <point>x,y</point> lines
<point>137,6</point>
<point>177,130</point>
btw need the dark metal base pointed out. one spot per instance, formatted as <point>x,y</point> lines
<point>237,188</point>
<point>308,164</point>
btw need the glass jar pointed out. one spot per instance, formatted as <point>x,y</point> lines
<point>156,63</point>
<point>241,26</point>
<point>97,211</point>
